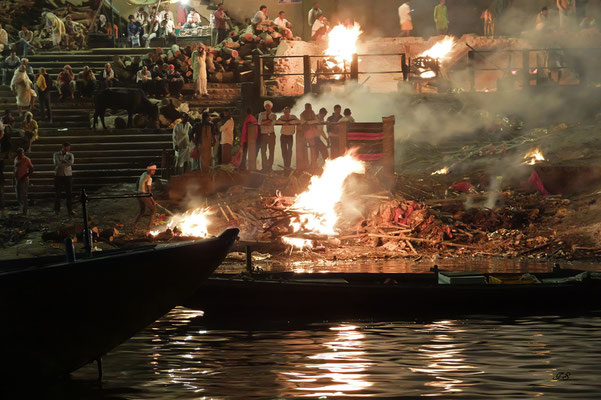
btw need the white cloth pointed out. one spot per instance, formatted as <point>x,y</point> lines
<point>259,17</point>
<point>3,39</point>
<point>281,22</point>
<point>108,74</point>
<point>144,183</point>
<point>163,14</point>
<point>143,77</point>
<point>288,124</point>
<point>181,143</point>
<point>314,15</point>
<point>23,87</point>
<point>227,132</point>
<point>266,129</point>
<point>405,13</point>
<point>199,65</point>
<point>193,18</point>
<point>317,26</point>
<point>169,27</point>
<point>63,163</point>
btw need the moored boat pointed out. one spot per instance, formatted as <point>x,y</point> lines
<point>424,295</point>
<point>58,316</point>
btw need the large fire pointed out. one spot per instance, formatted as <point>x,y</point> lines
<point>342,44</point>
<point>192,223</point>
<point>533,157</point>
<point>315,208</point>
<point>441,49</point>
<point>439,53</point>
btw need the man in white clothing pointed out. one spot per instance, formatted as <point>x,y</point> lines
<point>281,21</point>
<point>267,132</point>
<point>181,144</point>
<point>314,13</point>
<point>405,19</point>
<point>320,29</point>
<point>3,38</point>
<point>289,123</point>
<point>260,17</point>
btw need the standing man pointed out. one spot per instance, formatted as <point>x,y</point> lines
<point>23,170</point>
<point>4,152</point>
<point>63,178</point>
<point>308,121</point>
<point>314,13</point>
<point>441,18</point>
<point>249,120</point>
<point>267,133</point>
<point>43,83</point>
<point>405,19</point>
<point>207,141</point>
<point>220,23</point>
<point>288,122</point>
<point>181,144</point>
<point>320,146</point>
<point>145,187</point>
<point>332,131</point>
<point>227,137</point>
<point>199,67</point>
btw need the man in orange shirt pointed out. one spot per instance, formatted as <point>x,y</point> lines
<point>23,170</point>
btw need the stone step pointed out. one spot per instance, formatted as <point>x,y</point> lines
<point>120,153</point>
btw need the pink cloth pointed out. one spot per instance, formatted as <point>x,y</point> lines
<point>463,187</point>
<point>250,119</point>
<point>370,157</point>
<point>364,136</point>
<point>536,183</point>
<point>181,15</point>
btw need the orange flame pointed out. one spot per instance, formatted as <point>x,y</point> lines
<point>533,157</point>
<point>342,44</point>
<point>316,207</point>
<point>192,223</point>
<point>441,49</point>
<point>442,171</point>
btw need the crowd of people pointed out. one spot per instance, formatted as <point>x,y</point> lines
<point>206,142</point>
<point>567,17</point>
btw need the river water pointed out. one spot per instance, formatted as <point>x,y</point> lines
<point>184,356</point>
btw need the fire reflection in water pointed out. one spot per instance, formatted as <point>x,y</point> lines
<point>339,371</point>
<point>445,362</point>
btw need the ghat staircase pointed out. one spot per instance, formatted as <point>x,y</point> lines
<point>102,157</point>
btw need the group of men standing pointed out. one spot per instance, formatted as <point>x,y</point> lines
<point>313,132</point>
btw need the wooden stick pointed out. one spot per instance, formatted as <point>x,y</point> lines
<point>411,246</point>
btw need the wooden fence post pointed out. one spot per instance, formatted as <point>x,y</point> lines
<point>471,65</point>
<point>526,68</point>
<point>355,68</point>
<point>307,74</point>
<point>253,131</point>
<point>341,130</point>
<point>388,148</point>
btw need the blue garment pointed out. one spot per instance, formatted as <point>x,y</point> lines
<point>134,28</point>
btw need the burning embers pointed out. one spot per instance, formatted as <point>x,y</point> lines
<point>427,64</point>
<point>442,171</point>
<point>533,157</point>
<point>314,210</point>
<point>192,223</point>
<point>342,44</point>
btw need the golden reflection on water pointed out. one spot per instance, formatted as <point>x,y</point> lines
<point>337,371</point>
<point>444,358</point>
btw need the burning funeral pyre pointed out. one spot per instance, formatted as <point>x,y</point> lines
<point>428,65</point>
<point>191,224</point>
<point>342,44</point>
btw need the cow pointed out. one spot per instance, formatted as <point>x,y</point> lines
<point>132,100</point>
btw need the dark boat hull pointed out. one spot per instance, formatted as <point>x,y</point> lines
<point>58,318</point>
<point>266,298</point>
